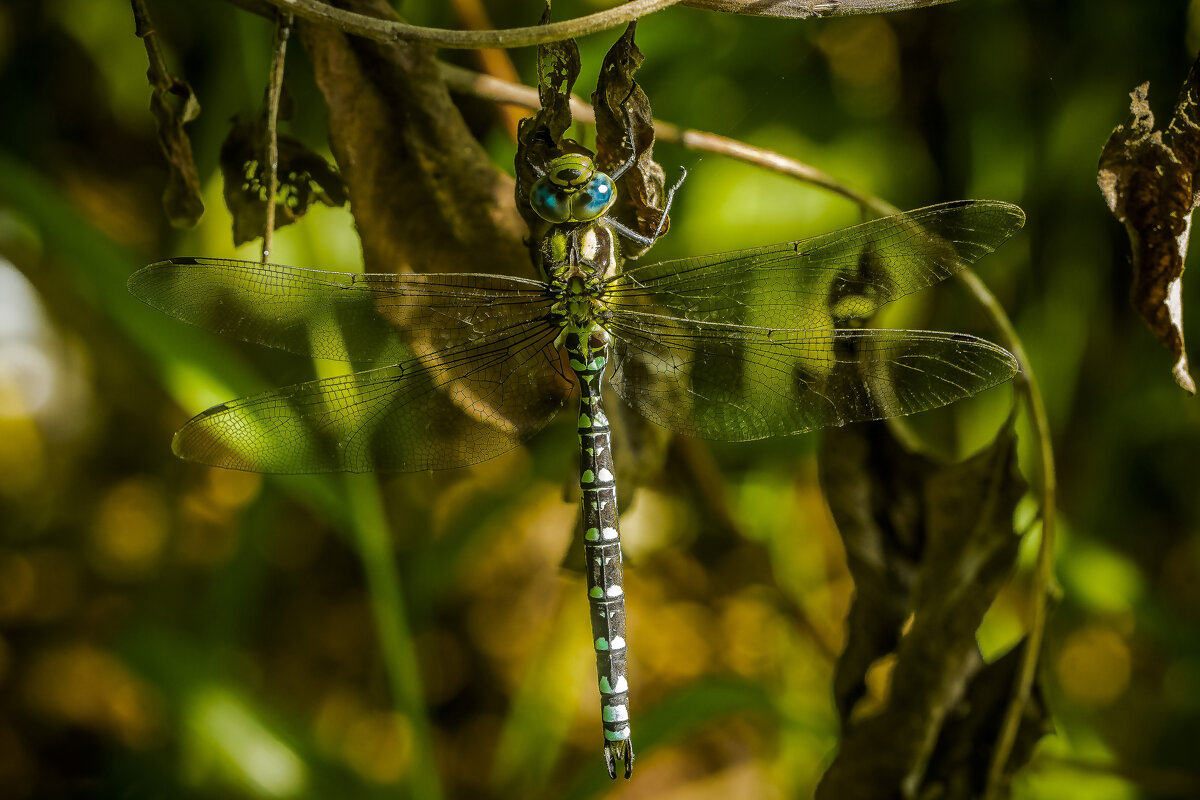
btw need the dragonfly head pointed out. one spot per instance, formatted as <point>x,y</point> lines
<point>572,190</point>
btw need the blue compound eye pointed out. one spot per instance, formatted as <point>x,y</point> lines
<point>594,199</point>
<point>550,202</point>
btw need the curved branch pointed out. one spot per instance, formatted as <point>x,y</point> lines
<point>390,31</point>
<point>469,82</point>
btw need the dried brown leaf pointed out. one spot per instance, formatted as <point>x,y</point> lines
<point>540,138</point>
<point>173,104</point>
<point>958,769</point>
<point>1148,179</point>
<point>304,178</point>
<point>424,194</point>
<point>929,545</point>
<point>618,101</point>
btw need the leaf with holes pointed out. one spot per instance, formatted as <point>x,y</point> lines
<point>304,178</point>
<point>540,138</point>
<point>173,104</point>
<point>620,102</point>
<point>1148,179</point>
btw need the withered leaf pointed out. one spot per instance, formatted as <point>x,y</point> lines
<point>540,137</point>
<point>173,104</point>
<point>958,769</point>
<point>874,486</point>
<point>304,177</point>
<point>1148,179</point>
<point>619,102</point>
<point>929,545</point>
<point>424,194</point>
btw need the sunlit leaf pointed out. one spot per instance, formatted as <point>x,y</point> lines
<point>1148,178</point>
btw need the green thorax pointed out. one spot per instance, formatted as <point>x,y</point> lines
<point>578,259</point>
<point>580,252</point>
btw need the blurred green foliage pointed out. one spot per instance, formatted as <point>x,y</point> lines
<point>168,630</point>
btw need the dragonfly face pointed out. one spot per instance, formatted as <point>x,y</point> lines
<point>572,190</point>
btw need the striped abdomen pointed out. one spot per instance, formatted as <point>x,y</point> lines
<point>588,351</point>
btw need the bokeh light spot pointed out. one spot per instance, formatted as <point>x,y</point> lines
<point>1094,665</point>
<point>130,530</point>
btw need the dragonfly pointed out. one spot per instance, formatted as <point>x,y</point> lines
<point>737,346</point>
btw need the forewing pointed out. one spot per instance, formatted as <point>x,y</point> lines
<point>737,383</point>
<point>373,318</point>
<point>454,407</point>
<point>826,280</point>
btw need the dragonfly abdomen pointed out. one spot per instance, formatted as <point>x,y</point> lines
<point>587,349</point>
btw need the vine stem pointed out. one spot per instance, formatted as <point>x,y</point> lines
<point>468,82</point>
<point>487,87</point>
<point>390,31</point>
<point>283,29</point>
<point>145,31</point>
<point>1044,569</point>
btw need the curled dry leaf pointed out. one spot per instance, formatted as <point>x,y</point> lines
<point>620,102</point>
<point>304,178</point>
<point>929,545</point>
<point>1148,179</point>
<point>540,138</point>
<point>173,104</point>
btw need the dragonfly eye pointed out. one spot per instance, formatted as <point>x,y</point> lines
<point>550,202</point>
<point>594,199</point>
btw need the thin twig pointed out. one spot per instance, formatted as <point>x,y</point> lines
<point>145,31</point>
<point>283,29</point>
<point>1044,570</point>
<point>492,62</point>
<point>465,81</point>
<point>390,31</point>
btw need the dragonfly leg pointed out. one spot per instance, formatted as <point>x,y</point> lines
<point>629,162</point>
<point>670,199</point>
<point>648,241</point>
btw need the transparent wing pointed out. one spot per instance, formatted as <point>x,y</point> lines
<point>446,409</point>
<point>374,318</point>
<point>737,383</point>
<point>819,282</point>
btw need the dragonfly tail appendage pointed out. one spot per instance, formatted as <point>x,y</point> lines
<point>618,751</point>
